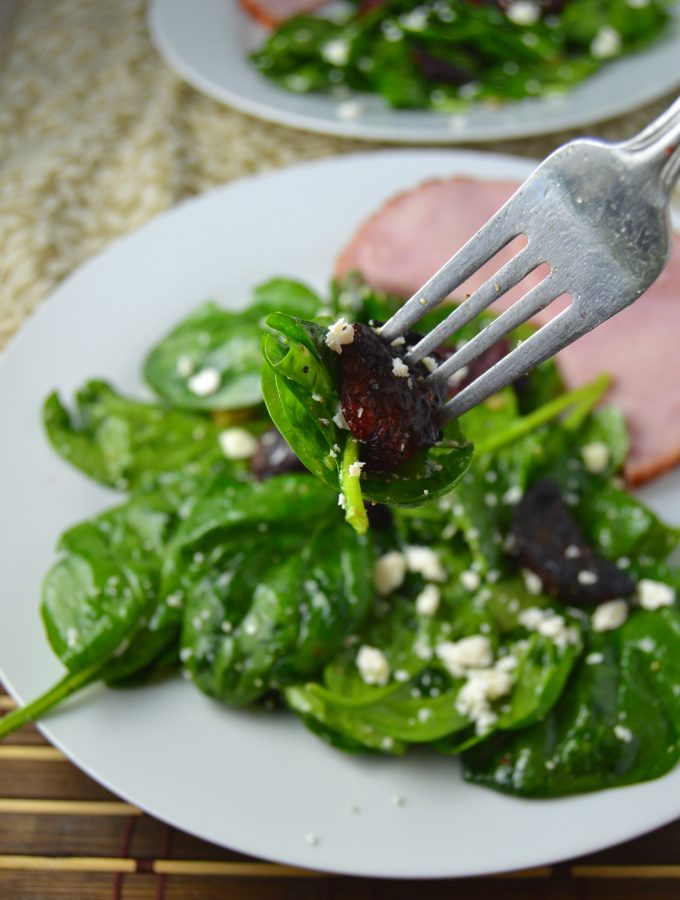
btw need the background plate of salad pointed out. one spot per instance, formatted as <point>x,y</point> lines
<point>518,69</point>
<point>252,779</point>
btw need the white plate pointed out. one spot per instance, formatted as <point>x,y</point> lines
<point>207,44</point>
<point>257,783</point>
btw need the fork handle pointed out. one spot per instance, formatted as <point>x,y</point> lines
<point>659,145</point>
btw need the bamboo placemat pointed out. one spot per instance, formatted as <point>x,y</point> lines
<point>64,836</point>
<point>96,137</point>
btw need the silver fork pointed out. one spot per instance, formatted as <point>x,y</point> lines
<point>597,214</point>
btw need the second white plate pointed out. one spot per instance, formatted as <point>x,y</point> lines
<point>208,43</point>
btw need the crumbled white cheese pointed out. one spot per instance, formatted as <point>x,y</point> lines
<point>185,366</point>
<point>424,561</point>
<point>430,363</point>
<point>586,577</point>
<point>654,594</point>
<point>606,43</point>
<point>428,600</point>
<point>596,457</point>
<point>72,637</point>
<point>311,839</point>
<point>339,334</point>
<point>482,686</point>
<point>205,382</point>
<point>549,624</point>
<point>455,379</point>
<point>401,675</point>
<point>348,109</point>
<point>623,734</point>
<point>594,659</point>
<point>390,571</point>
<point>523,12</point>
<point>399,368</point>
<point>472,652</point>
<point>470,580</point>
<point>341,422</point>
<point>532,582</point>
<point>237,443</point>
<point>610,615</point>
<point>341,501</point>
<point>414,20</point>
<point>336,52</point>
<point>513,495</point>
<point>355,469</point>
<point>572,552</point>
<point>373,665</point>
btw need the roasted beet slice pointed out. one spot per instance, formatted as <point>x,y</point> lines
<point>393,416</point>
<point>274,457</point>
<point>477,367</point>
<point>434,68</point>
<point>549,543</point>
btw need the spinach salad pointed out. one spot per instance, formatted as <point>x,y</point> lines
<point>497,596</point>
<point>444,54</point>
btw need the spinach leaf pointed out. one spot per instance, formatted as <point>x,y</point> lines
<point>301,390</point>
<point>100,600</point>
<point>125,444</point>
<point>225,343</point>
<point>617,722</point>
<point>272,582</point>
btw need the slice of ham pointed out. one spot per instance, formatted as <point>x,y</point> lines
<point>274,12</point>
<point>406,241</point>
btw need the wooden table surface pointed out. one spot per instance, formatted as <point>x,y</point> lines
<point>64,836</point>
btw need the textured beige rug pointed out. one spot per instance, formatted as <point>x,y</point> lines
<point>97,136</point>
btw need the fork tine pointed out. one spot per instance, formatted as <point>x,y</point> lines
<point>507,277</point>
<point>492,237</point>
<point>565,328</point>
<point>532,302</point>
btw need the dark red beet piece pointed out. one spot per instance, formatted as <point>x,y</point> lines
<point>392,416</point>
<point>543,530</point>
<point>274,457</point>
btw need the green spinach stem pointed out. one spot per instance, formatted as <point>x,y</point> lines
<point>355,512</point>
<point>69,684</point>
<point>581,401</point>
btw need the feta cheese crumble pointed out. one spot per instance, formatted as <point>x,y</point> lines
<point>237,443</point>
<point>596,457</point>
<point>341,422</point>
<point>654,594</point>
<point>606,43</point>
<point>428,600</point>
<point>399,368</point>
<point>532,582</point>
<point>586,577</point>
<point>205,382</point>
<point>610,615</point>
<point>185,366</point>
<point>472,652</point>
<point>336,52</point>
<point>424,561</point>
<point>523,12</point>
<point>470,580</point>
<point>373,665</point>
<point>389,572</point>
<point>339,334</point>
<point>623,734</point>
<point>355,469</point>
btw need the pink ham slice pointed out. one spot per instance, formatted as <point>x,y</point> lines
<point>406,241</point>
<point>273,12</point>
